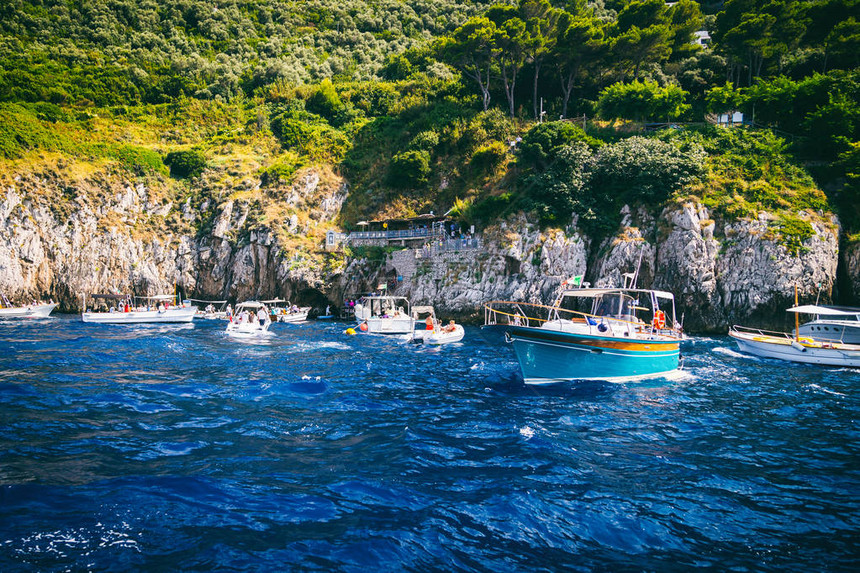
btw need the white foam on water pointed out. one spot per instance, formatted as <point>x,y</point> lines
<point>825,390</point>
<point>734,353</point>
<point>527,432</point>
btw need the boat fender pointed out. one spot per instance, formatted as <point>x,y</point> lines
<point>349,331</point>
<point>602,327</point>
<point>363,327</point>
<point>798,346</point>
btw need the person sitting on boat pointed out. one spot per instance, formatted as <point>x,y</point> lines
<point>294,309</point>
<point>229,311</point>
<point>450,328</point>
<point>161,307</point>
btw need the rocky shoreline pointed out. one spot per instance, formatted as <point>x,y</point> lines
<point>59,239</point>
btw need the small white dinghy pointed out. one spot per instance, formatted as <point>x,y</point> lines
<point>251,319</point>
<point>434,333</point>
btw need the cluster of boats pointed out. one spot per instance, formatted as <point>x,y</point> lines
<point>613,334</point>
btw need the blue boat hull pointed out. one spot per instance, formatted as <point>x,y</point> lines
<point>547,356</point>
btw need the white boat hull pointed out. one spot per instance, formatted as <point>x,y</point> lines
<point>436,338</point>
<point>141,317</point>
<point>300,316</point>
<point>248,330</point>
<point>33,311</point>
<point>807,351</point>
<point>392,325</point>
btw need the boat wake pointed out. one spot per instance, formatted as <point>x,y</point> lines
<point>818,388</point>
<point>734,353</point>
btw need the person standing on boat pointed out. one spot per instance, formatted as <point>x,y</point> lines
<point>429,322</point>
<point>262,315</point>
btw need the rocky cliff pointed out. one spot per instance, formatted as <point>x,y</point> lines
<point>63,235</point>
<point>721,272</point>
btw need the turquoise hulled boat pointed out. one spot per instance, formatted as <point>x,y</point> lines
<point>613,334</point>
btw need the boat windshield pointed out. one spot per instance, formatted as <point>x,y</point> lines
<point>842,317</point>
<point>615,305</point>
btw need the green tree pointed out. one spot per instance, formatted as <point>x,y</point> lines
<point>542,28</point>
<point>642,100</point>
<point>581,48</point>
<point>472,49</point>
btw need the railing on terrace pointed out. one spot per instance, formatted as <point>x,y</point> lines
<point>394,235</point>
<point>450,245</point>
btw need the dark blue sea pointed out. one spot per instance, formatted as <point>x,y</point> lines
<point>174,448</point>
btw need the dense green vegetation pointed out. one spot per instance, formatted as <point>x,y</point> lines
<point>420,103</point>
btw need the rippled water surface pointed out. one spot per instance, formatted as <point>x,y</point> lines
<point>174,448</point>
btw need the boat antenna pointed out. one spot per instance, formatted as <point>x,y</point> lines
<point>817,296</point>
<point>638,265</point>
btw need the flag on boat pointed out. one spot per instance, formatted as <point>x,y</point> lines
<point>381,286</point>
<point>573,281</point>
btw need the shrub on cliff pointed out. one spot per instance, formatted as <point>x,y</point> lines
<point>139,160</point>
<point>540,144</point>
<point>409,169</point>
<point>319,141</point>
<point>186,164</point>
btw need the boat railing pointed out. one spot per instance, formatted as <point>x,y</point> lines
<point>527,314</point>
<point>761,332</point>
<point>803,338</point>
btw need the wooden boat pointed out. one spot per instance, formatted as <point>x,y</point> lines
<point>831,323</point>
<point>795,347</point>
<point>612,334</point>
<point>805,349</point>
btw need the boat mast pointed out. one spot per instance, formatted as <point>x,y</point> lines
<point>796,317</point>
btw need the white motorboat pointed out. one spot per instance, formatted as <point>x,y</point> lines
<point>432,331</point>
<point>251,319</point>
<point>783,346</point>
<point>287,312</point>
<point>213,309</point>
<point>384,315</point>
<point>831,323</point>
<point>126,309</point>
<point>33,310</point>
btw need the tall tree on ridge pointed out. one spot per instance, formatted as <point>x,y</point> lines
<point>472,49</point>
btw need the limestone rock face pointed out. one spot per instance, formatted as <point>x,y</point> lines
<point>62,239</point>
<point>850,254</point>
<point>739,274</point>
<point>516,262</point>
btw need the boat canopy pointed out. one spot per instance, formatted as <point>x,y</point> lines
<point>274,301</point>
<point>827,310</point>
<point>157,297</point>
<point>207,301</point>
<point>250,304</point>
<point>110,296</point>
<point>423,310</point>
<point>596,292</point>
